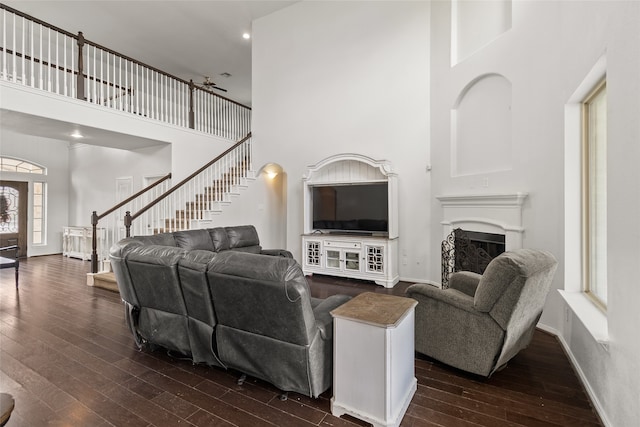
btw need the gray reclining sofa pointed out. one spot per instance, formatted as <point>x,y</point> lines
<point>215,296</point>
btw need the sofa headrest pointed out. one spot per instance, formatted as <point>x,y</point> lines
<point>121,248</point>
<point>193,239</point>
<point>254,266</point>
<point>156,254</point>
<point>219,238</point>
<point>242,235</point>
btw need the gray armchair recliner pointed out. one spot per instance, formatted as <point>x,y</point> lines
<point>481,321</point>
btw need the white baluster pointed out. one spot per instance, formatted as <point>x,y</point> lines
<point>57,63</point>
<point>24,54</point>
<point>124,94</point>
<point>73,68</point>
<point>101,87</point>
<point>4,43</point>
<point>64,65</point>
<point>13,55</point>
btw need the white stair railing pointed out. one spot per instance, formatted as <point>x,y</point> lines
<point>42,56</point>
<point>194,202</point>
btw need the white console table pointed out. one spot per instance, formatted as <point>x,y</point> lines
<point>77,242</point>
<point>359,257</point>
<point>373,367</point>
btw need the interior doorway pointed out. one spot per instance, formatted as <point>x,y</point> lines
<point>14,196</point>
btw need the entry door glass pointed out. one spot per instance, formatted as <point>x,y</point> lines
<point>9,199</point>
<point>13,215</point>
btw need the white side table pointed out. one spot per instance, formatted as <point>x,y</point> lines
<point>373,358</point>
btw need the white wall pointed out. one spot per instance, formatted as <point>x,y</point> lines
<point>53,155</point>
<point>262,204</point>
<point>546,54</point>
<point>94,171</point>
<point>347,77</point>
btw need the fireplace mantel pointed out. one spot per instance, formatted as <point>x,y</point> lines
<point>489,213</point>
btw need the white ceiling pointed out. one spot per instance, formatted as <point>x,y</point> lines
<point>189,39</point>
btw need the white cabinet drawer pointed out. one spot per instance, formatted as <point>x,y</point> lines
<point>342,244</point>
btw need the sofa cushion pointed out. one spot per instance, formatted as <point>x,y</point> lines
<point>162,239</point>
<point>219,238</point>
<point>249,249</point>
<point>193,239</point>
<point>242,236</point>
<point>274,293</point>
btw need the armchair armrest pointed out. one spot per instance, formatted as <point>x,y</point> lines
<point>277,252</point>
<point>465,281</point>
<point>427,294</point>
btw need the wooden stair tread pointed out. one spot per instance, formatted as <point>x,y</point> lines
<point>105,280</point>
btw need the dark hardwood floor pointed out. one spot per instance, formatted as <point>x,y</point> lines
<point>68,359</point>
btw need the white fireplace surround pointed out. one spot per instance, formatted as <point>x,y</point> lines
<point>487,213</point>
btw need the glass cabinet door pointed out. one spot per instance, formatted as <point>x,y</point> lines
<point>352,261</point>
<point>333,259</point>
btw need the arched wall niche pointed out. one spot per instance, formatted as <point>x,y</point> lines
<point>481,131</point>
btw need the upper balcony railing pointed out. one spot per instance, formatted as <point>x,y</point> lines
<point>42,56</point>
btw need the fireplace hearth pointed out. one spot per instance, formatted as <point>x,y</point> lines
<point>464,250</point>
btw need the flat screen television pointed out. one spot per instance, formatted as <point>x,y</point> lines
<point>351,208</point>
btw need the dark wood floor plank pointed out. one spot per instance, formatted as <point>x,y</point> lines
<point>68,358</point>
<point>267,413</point>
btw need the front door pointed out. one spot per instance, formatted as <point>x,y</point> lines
<point>13,215</point>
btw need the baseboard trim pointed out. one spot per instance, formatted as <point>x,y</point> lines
<point>583,379</point>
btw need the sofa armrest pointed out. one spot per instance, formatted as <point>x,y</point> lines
<point>427,294</point>
<point>322,313</point>
<point>465,281</point>
<point>277,252</point>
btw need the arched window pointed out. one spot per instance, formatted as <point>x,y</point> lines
<point>8,164</point>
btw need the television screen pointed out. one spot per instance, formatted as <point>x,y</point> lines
<point>362,208</point>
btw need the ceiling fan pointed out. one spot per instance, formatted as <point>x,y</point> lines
<point>208,84</point>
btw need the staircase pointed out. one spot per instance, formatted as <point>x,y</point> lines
<point>191,204</point>
<point>201,211</point>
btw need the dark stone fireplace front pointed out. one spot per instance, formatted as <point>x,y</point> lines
<point>465,250</point>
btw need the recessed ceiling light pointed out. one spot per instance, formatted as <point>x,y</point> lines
<point>246,36</point>
<point>77,134</point>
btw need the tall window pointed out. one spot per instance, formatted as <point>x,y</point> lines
<point>39,193</point>
<point>595,194</point>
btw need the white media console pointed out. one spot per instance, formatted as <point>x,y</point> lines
<point>367,256</point>
<point>358,257</point>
